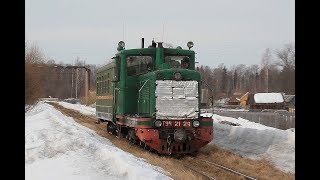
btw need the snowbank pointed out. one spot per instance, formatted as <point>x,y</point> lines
<point>87,110</point>
<point>56,147</point>
<point>255,141</point>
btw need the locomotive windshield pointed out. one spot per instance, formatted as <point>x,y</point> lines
<point>178,61</point>
<point>139,65</point>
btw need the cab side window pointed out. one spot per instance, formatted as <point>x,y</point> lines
<point>185,63</point>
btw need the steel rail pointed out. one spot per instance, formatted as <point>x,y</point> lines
<point>228,169</point>
<point>202,173</point>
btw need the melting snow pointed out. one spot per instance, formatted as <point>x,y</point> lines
<point>56,147</point>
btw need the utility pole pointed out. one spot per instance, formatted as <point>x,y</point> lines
<point>267,79</point>
<point>71,79</point>
<point>86,85</point>
<point>86,81</point>
<point>162,32</point>
<point>76,83</point>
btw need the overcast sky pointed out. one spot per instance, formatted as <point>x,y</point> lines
<point>224,31</point>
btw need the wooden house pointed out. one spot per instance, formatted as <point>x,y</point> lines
<point>233,101</point>
<point>260,101</point>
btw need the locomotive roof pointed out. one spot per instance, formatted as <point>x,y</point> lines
<point>109,65</point>
<point>150,50</point>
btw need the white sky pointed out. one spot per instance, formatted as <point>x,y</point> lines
<point>57,145</point>
<point>229,32</point>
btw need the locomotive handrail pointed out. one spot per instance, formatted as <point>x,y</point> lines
<point>139,93</point>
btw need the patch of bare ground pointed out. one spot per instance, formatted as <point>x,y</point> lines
<point>260,169</point>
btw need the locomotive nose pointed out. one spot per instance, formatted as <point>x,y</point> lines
<point>180,135</point>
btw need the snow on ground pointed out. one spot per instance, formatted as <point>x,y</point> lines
<point>255,141</point>
<point>250,139</point>
<point>222,101</point>
<point>228,110</point>
<point>87,110</point>
<point>243,122</point>
<point>56,147</point>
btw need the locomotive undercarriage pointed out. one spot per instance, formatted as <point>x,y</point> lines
<point>175,141</point>
<point>165,141</point>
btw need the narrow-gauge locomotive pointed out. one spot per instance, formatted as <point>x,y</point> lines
<point>152,96</point>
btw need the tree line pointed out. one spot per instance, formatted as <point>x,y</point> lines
<point>276,73</point>
<point>44,77</point>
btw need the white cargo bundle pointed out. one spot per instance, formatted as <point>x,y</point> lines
<point>177,99</point>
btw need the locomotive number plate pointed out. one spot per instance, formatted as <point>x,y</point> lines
<point>176,123</point>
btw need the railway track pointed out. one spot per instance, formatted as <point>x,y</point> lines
<point>209,163</point>
<point>200,172</point>
<point>206,174</point>
<point>203,173</point>
<point>228,169</point>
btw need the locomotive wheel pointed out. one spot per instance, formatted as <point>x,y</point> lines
<point>98,121</point>
<point>121,132</point>
<point>194,154</point>
<point>111,128</point>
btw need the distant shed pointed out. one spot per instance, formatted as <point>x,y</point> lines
<point>290,102</point>
<point>233,101</point>
<point>244,99</point>
<point>266,101</point>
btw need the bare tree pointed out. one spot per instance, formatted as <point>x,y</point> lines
<point>224,80</point>
<point>286,60</point>
<point>34,73</point>
<point>286,56</point>
<point>33,54</point>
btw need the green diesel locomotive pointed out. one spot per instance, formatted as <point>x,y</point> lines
<point>152,97</point>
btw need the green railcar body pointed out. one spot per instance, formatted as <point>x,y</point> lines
<point>105,92</point>
<point>135,95</point>
<point>127,98</point>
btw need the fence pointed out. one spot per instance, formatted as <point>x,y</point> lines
<point>280,121</point>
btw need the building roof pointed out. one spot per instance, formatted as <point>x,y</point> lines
<point>288,98</point>
<point>233,99</point>
<point>244,95</point>
<point>268,98</point>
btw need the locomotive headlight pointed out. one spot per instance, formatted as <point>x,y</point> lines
<point>121,44</point>
<point>196,123</point>
<point>158,123</point>
<point>177,76</point>
<point>190,44</point>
